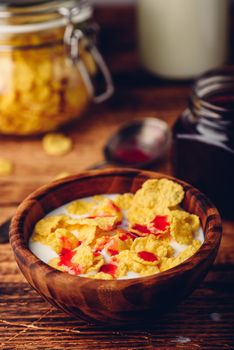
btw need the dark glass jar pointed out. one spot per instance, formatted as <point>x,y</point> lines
<point>203,152</point>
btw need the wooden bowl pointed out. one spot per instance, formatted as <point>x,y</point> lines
<point>112,301</point>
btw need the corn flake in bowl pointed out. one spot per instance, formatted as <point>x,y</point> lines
<point>122,235</point>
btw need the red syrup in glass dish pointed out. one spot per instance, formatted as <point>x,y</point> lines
<point>132,155</point>
<point>139,143</point>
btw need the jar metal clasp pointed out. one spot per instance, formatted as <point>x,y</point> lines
<point>73,38</point>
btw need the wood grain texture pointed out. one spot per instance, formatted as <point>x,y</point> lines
<point>206,319</point>
<point>124,301</point>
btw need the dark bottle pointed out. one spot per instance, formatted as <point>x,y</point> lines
<point>203,152</point>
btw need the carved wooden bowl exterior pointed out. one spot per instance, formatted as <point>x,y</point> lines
<point>115,301</point>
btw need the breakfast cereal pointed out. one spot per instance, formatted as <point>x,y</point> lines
<point>6,167</point>
<point>121,236</point>
<point>56,144</point>
<point>40,87</point>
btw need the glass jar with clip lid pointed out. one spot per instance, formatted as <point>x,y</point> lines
<point>49,65</point>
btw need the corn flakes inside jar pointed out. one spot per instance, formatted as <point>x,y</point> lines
<point>48,64</point>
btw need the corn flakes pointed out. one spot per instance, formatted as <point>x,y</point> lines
<point>171,262</point>
<point>100,244</point>
<point>56,144</point>
<point>85,233</point>
<point>183,225</point>
<point>105,223</point>
<point>97,208</point>
<point>6,167</point>
<point>40,88</point>
<point>83,256</point>
<point>107,207</point>
<point>155,197</point>
<point>98,262</point>
<point>114,243</point>
<point>130,261</point>
<point>80,207</point>
<point>61,239</point>
<point>124,201</point>
<point>49,224</point>
<point>152,244</point>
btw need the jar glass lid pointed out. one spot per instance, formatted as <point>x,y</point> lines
<point>29,16</point>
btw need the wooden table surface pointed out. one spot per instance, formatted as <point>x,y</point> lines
<point>206,319</point>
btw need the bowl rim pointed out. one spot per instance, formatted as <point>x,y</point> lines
<point>22,251</point>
